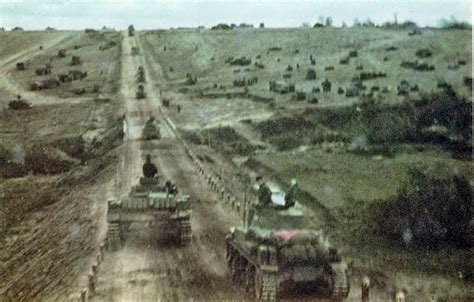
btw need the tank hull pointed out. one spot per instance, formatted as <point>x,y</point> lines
<point>148,203</point>
<point>264,276</point>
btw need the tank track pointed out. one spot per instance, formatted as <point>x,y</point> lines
<point>341,284</point>
<point>264,285</point>
<point>113,236</point>
<point>267,288</point>
<point>185,232</point>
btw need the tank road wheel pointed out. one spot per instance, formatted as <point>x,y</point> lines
<point>185,233</point>
<point>230,259</point>
<point>266,286</point>
<point>237,270</point>
<point>113,235</point>
<point>233,267</point>
<point>340,283</point>
<point>124,227</point>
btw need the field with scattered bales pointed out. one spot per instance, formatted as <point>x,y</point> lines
<point>398,102</point>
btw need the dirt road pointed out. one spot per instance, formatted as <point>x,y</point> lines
<point>146,268</point>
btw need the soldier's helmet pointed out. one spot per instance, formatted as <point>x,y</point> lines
<point>148,157</point>
<point>293,182</point>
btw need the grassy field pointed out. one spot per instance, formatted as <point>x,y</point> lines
<point>40,146</point>
<point>100,65</point>
<point>14,42</point>
<point>342,182</point>
<point>204,54</point>
<point>339,179</point>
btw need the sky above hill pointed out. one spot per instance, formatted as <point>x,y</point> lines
<point>147,14</point>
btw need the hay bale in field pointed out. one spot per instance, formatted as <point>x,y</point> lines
<point>18,104</point>
<point>75,60</point>
<point>20,66</point>
<point>190,80</point>
<point>423,53</point>
<point>300,95</point>
<point>77,74</point>
<point>344,61</point>
<point>43,70</point>
<point>281,87</point>
<point>64,78</point>
<point>311,74</point>
<point>403,88</point>
<point>62,53</point>
<point>50,83</point>
<point>353,54</point>
<point>242,61</point>
<point>420,66</point>
<point>326,85</point>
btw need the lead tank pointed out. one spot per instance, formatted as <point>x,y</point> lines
<point>276,251</point>
<point>149,202</point>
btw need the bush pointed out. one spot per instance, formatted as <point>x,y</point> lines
<point>453,24</point>
<point>224,139</point>
<point>432,209</point>
<point>285,142</point>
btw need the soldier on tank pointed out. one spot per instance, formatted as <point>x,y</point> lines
<point>290,197</point>
<point>171,188</point>
<point>149,168</point>
<point>150,120</point>
<point>264,193</point>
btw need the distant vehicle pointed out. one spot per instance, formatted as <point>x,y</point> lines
<point>151,130</point>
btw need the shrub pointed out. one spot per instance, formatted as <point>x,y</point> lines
<point>285,142</point>
<point>433,208</point>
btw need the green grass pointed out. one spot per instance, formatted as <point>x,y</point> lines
<point>336,179</point>
<point>204,54</point>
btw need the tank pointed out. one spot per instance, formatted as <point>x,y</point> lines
<point>276,251</point>
<point>149,203</point>
<point>140,92</point>
<point>151,130</point>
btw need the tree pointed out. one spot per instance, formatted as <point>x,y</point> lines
<point>262,25</point>
<point>432,208</point>
<point>328,22</point>
<point>382,125</point>
<point>453,23</point>
<point>440,204</point>
<point>131,30</point>
<point>368,23</point>
<point>305,25</point>
<point>356,23</point>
